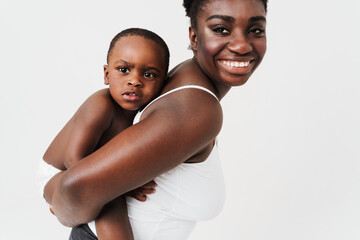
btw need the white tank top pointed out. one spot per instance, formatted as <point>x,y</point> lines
<point>190,191</point>
<point>138,115</point>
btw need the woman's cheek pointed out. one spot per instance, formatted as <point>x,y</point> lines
<point>261,47</point>
<point>213,47</point>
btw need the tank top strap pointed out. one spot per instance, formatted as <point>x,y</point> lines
<point>137,117</point>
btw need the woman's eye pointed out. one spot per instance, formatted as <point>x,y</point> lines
<point>123,69</point>
<point>221,30</point>
<point>257,31</point>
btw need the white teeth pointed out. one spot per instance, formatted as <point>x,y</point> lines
<point>236,63</point>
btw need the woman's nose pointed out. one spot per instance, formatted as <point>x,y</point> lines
<point>240,44</point>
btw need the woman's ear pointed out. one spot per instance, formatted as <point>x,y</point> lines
<point>106,75</point>
<point>193,38</point>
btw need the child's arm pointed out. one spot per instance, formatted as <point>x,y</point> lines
<point>79,138</point>
<point>81,134</point>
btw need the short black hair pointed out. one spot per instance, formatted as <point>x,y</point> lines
<point>193,7</point>
<point>147,34</point>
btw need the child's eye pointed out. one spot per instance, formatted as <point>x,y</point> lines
<point>221,30</point>
<point>150,75</point>
<point>123,69</point>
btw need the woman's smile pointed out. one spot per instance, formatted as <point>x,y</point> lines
<point>236,66</point>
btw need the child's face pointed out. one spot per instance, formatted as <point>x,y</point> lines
<point>135,72</point>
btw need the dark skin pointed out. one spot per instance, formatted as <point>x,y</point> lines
<point>135,74</point>
<point>182,126</point>
<point>81,140</point>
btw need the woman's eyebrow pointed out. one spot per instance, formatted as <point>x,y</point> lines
<point>222,17</point>
<point>257,18</point>
<point>232,20</point>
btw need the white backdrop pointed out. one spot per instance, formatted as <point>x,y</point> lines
<point>291,138</point>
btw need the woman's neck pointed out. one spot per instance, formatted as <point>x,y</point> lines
<point>220,88</point>
<point>189,72</point>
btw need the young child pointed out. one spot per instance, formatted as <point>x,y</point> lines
<point>137,65</point>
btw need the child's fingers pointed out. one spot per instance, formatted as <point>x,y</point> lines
<point>146,191</point>
<point>141,192</point>
<point>150,185</point>
<point>140,197</point>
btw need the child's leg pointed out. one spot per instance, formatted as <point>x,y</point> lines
<point>113,222</point>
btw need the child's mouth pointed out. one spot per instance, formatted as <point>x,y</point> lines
<point>131,97</point>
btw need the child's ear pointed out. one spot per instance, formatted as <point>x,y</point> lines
<point>193,38</point>
<point>106,75</point>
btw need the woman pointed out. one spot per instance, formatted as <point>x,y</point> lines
<point>176,133</point>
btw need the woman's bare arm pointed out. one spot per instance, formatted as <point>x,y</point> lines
<point>172,132</point>
<point>50,186</point>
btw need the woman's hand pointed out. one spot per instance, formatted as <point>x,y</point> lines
<point>141,192</point>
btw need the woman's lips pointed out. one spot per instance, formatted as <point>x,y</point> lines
<point>236,66</point>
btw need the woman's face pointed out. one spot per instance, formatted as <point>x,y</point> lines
<point>230,41</point>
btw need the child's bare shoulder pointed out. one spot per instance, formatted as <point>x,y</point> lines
<point>102,97</point>
<point>99,108</point>
<point>100,101</point>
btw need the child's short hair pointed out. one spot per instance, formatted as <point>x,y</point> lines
<point>145,34</point>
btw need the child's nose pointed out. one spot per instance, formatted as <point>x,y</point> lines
<point>135,81</point>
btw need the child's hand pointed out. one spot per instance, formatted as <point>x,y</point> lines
<point>141,192</point>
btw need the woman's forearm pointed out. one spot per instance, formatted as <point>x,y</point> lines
<point>50,186</point>
<point>51,193</point>
<point>68,206</point>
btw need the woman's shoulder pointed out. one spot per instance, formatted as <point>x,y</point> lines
<point>188,93</point>
<point>186,73</point>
